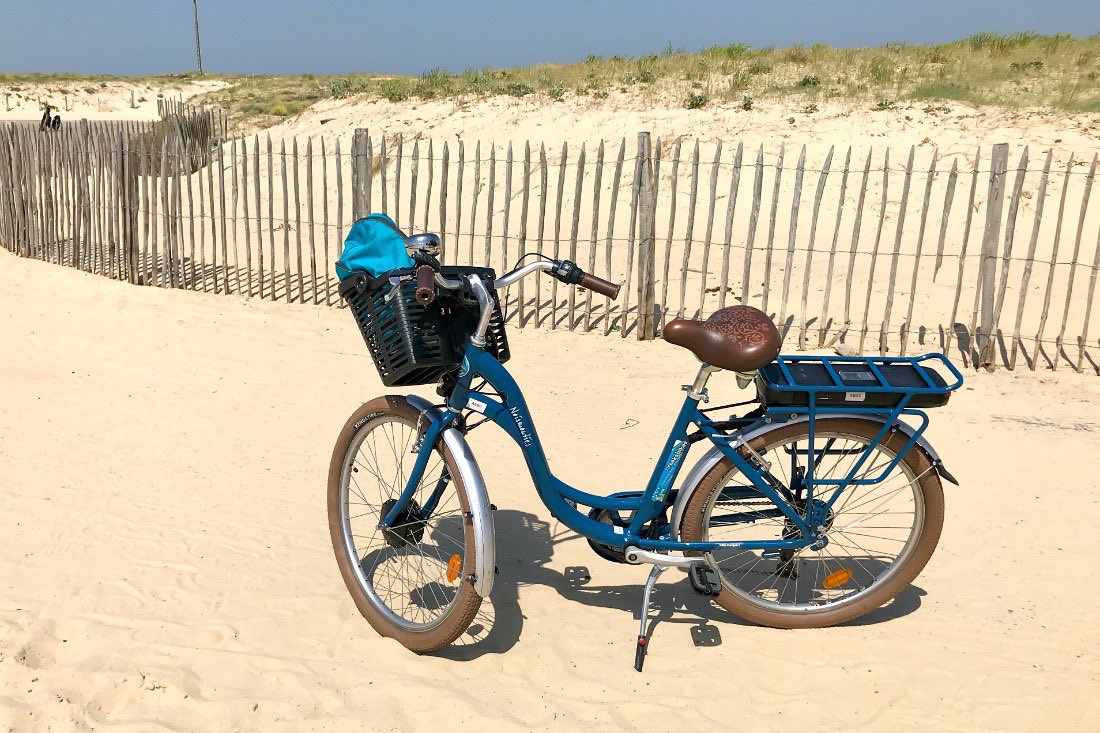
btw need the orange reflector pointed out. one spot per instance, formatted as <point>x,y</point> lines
<point>454,567</point>
<point>837,579</point>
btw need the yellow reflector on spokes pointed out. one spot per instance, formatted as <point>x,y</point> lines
<point>837,579</point>
<point>454,567</point>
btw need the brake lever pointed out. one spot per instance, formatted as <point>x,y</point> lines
<point>396,283</point>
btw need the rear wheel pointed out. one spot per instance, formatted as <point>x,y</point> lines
<point>879,535</point>
<point>411,581</point>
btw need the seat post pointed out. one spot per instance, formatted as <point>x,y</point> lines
<point>698,389</point>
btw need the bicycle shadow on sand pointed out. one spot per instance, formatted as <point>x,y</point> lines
<point>525,546</point>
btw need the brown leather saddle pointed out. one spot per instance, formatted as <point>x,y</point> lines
<point>739,338</point>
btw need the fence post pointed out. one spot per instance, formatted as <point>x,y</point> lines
<point>360,174</point>
<point>647,235</point>
<point>988,271</point>
<point>128,187</point>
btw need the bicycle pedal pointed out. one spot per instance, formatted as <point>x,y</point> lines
<point>770,555</point>
<point>705,579</point>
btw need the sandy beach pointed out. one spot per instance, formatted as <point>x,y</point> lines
<point>166,562</point>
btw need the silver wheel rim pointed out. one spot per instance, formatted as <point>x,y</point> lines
<point>873,531</point>
<point>408,585</point>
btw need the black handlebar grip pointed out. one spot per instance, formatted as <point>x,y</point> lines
<point>425,284</point>
<point>598,285</point>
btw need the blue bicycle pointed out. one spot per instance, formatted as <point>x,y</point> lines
<point>816,505</point>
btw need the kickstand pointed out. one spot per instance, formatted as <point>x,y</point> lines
<point>639,654</point>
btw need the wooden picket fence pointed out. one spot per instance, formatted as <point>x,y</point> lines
<point>886,253</point>
<point>196,125</point>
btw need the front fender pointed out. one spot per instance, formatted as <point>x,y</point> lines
<point>713,456</point>
<point>485,550</point>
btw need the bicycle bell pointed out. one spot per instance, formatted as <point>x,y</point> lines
<point>424,244</point>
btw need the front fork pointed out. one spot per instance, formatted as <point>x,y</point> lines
<point>423,448</point>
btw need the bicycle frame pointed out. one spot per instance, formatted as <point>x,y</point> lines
<point>512,415</point>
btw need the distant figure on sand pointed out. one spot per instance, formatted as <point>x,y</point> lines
<point>49,122</point>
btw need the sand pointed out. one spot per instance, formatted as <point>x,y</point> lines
<point>109,100</point>
<point>165,562</point>
<point>953,127</point>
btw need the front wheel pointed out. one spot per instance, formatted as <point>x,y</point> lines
<point>879,535</point>
<point>410,581</point>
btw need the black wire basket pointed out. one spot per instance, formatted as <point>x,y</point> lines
<point>416,344</point>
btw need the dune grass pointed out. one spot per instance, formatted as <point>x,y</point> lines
<point>1018,70</point>
<point>1024,69</point>
<point>63,83</point>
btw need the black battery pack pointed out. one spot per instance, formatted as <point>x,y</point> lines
<point>861,388</point>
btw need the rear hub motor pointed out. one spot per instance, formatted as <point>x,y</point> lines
<point>818,516</point>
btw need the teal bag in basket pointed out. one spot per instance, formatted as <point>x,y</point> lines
<point>376,245</point>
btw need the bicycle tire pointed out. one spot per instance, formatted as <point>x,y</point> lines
<point>928,493</point>
<point>387,621</point>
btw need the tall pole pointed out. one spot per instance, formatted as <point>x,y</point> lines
<point>198,46</point>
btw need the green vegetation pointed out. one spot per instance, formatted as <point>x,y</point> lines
<point>696,101</point>
<point>943,90</point>
<point>1018,70</point>
<point>1022,69</point>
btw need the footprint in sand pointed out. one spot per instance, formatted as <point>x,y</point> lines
<point>37,654</point>
<point>36,645</point>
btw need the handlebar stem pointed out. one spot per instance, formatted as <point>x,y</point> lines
<point>485,300</point>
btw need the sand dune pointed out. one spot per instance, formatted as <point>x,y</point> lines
<point>98,100</point>
<point>165,563</point>
<point>953,127</point>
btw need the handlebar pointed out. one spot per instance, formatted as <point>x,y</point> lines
<point>563,270</point>
<point>598,285</point>
<point>425,292</point>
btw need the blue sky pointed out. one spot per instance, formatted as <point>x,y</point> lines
<point>330,37</point>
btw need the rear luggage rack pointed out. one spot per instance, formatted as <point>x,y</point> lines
<point>889,387</point>
<point>889,383</point>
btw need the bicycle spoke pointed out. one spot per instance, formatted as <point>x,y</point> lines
<point>863,536</point>
<point>409,581</point>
